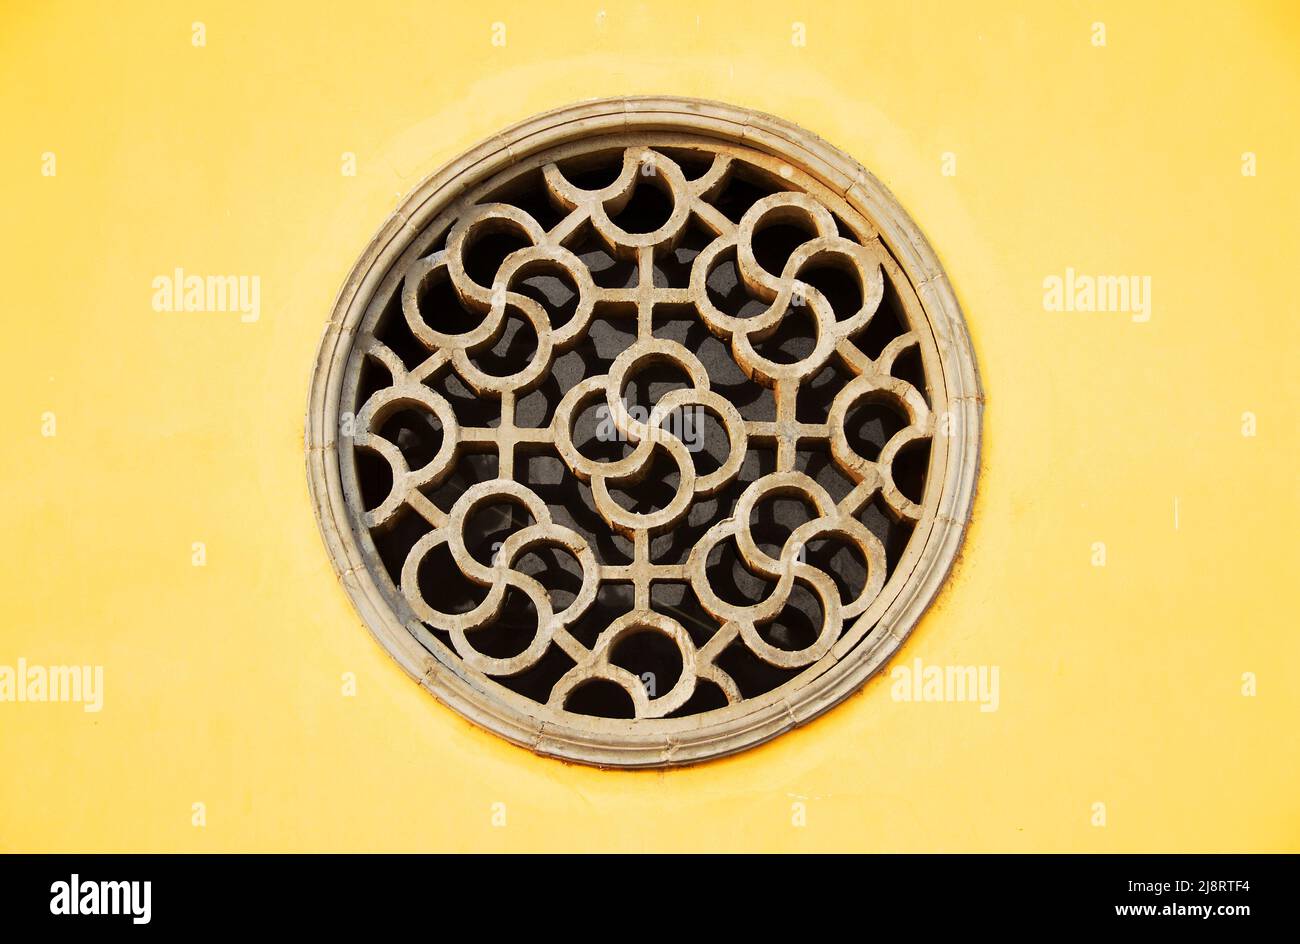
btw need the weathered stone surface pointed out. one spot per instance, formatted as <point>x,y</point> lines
<point>436,292</point>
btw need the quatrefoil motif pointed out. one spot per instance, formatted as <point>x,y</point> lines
<point>800,332</point>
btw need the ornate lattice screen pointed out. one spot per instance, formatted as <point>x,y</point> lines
<point>645,431</point>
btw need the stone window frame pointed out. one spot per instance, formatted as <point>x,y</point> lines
<point>937,538</point>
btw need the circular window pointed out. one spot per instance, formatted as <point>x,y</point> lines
<point>645,431</point>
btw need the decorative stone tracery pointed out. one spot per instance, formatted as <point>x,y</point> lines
<point>627,214</point>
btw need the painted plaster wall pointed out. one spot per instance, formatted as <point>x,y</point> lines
<point>1119,684</point>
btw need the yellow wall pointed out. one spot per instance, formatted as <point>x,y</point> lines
<point>1119,684</point>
